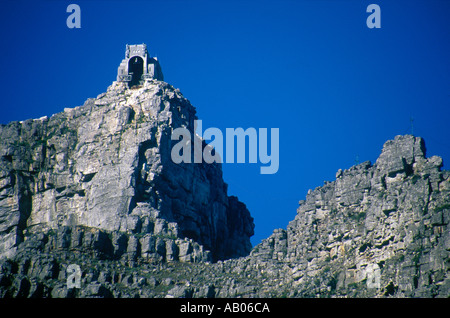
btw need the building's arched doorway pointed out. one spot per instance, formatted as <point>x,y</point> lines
<point>135,69</point>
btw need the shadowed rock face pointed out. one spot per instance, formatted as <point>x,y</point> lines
<point>95,186</point>
<point>106,165</point>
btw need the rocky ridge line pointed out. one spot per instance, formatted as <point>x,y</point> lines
<point>378,230</point>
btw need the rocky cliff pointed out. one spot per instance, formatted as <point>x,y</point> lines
<point>105,167</point>
<point>377,230</point>
<point>95,186</point>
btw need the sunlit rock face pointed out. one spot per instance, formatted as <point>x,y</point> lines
<point>106,165</point>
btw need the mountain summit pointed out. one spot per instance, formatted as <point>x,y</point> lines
<point>106,166</point>
<point>92,194</point>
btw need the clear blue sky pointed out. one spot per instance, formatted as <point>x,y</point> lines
<point>336,89</point>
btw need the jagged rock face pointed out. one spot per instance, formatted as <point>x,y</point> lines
<point>106,165</point>
<point>95,186</point>
<point>377,229</point>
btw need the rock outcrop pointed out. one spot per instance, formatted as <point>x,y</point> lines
<point>106,167</point>
<point>376,230</point>
<point>95,186</point>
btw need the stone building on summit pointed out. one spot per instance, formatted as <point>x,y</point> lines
<point>138,65</point>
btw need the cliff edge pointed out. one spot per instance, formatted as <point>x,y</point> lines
<point>94,187</point>
<point>105,168</point>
